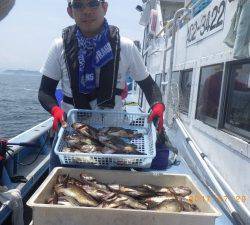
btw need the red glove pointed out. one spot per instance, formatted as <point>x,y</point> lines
<point>157,113</point>
<point>58,115</point>
<point>125,92</point>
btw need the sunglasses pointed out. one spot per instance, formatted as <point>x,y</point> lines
<point>81,5</point>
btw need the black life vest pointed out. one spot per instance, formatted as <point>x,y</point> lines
<point>106,92</point>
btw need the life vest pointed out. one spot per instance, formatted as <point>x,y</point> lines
<point>106,92</point>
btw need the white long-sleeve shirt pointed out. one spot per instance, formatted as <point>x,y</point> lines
<point>131,63</point>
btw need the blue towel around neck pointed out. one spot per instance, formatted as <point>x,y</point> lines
<point>93,53</point>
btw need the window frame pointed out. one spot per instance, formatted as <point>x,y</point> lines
<point>208,119</point>
<point>228,97</point>
<point>179,84</point>
<point>160,80</point>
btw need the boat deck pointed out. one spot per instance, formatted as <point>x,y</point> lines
<point>183,168</point>
<point>38,169</point>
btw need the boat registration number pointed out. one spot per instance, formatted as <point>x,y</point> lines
<point>206,23</point>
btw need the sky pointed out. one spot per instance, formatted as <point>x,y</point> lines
<point>26,34</point>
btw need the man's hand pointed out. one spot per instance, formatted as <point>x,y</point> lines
<point>157,113</point>
<point>58,115</point>
<point>125,92</point>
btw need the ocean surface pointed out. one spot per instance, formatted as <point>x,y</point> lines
<point>19,105</point>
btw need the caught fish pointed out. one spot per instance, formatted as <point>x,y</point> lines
<point>85,130</point>
<point>70,150</point>
<point>94,191</point>
<point>89,192</point>
<point>152,202</point>
<point>181,191</point>
<point>89,180</point>
<point>62,180</point>
<point>123,201</point>
<point>123,207</point>
<point>67,149</point>
<point>53,200</point>
<point>106,141</point>
<point>73,139</point>
<point>169,206</point>
<point>119,145</point>
<point>67,201</point>
<point>91,141</point>
<point>120,132</point>
<point>135,192</point>
<point>77,194</point>
<point>113,202</point>
<point>168,191</point>
<point>89,148</point>
<point>77,140</point>
<point>131,202</point>
<point>187,207</point>
<point>107,150</point>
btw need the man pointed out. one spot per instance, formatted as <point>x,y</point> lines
<point>91,60</point>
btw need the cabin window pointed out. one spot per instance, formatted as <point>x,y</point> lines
<point>238,102</point>
<point>158,80</point>
<point>175,77</point>
<point>183,80</point>
<point>209,94</point>
<point>185,83</point>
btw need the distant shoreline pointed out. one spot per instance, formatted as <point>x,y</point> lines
<point>20,71</point>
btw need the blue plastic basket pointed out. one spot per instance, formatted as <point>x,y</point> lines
<point>102,118</point>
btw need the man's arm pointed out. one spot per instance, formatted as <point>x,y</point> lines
<point>151,91</point>
<point>53,74</point>
<point>46,94</point>
<point>139,72</point>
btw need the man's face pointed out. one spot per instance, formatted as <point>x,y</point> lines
<point>89,19</point>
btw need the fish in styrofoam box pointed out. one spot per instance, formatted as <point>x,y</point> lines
<point>44,214</point>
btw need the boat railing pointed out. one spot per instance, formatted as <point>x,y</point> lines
<point>29,136</point>
<point>185,18</point>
